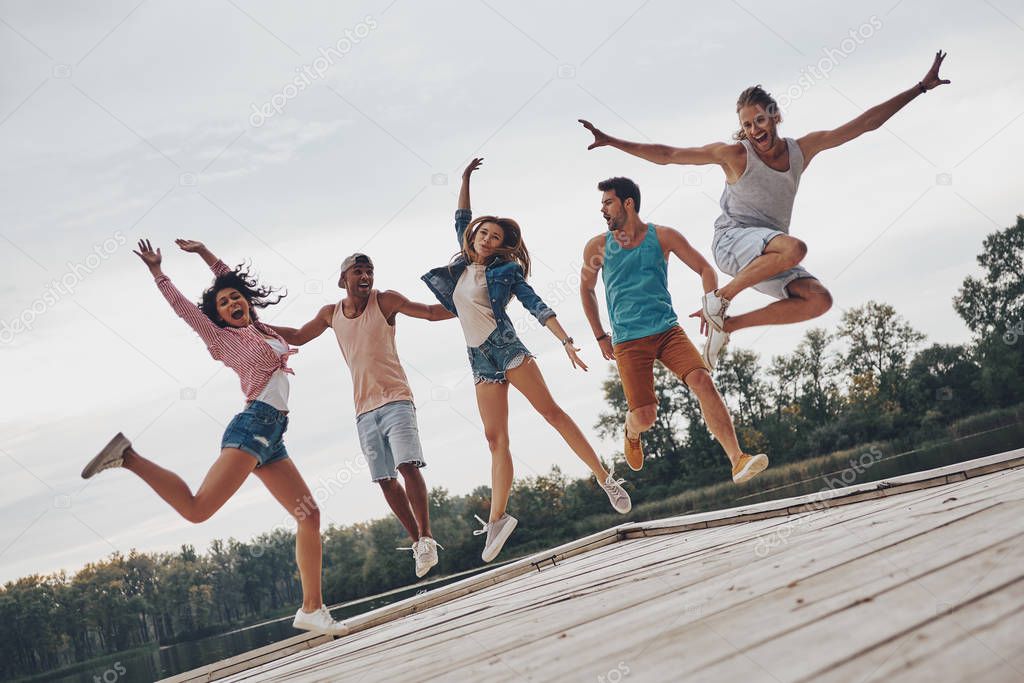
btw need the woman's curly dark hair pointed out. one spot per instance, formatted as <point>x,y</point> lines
<point>257,295</point>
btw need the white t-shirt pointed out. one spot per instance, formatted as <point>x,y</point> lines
<point>276,391</point>
<point>473,305</point>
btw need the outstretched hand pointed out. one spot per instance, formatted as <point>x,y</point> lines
<point>473,165</point>
<point>600,138</point>
<point>149,256</point>
<point>191,246</point>
<point>574,358</point>
<point>699,313</point>
<point>931,79</point>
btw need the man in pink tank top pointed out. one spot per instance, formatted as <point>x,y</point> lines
<point>762,173</point>
<point>364,323</point>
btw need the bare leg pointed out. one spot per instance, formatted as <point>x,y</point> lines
<point>285,483</point>
<point>808,299</point>
<point>221,482</point>
<point>716,414</point>
<point>416,492</point>
<point>492,400</point>
<point>395,495</point>
<point>781,253</point>
<point>530,383</point>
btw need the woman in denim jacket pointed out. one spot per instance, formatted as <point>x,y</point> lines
<point>492,266</point>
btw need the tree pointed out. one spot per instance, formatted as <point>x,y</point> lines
<point>879,343</point>
<point>994,302</point>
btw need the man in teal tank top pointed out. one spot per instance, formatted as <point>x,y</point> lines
<point>632,257</point>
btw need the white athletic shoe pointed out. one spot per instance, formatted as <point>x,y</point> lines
<point>424,551</point>
<point>714,308</point>
<point>616,494</point>
<point>111,456</point>
<point>713,346</point>
<point>319,621</point>
<point>497,533</point>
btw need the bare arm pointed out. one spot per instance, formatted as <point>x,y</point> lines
<point>593,260</point>
<point>196,247</point>
<point>393,303</point>
<point>464,190</point>
<point>871,119</point>
<point>308,332</point>
<point>563,338</point>
<point>721,153</point>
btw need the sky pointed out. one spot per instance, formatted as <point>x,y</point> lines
<point>293,135</point>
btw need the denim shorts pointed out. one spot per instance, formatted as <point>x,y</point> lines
<point>499,353</point>
<point>735,248</point>
<point>389,437</point>
<point>258,430</point>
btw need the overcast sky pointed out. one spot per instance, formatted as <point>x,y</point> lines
<point>182,119</point>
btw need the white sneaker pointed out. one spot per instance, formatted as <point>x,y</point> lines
<point>319,621</point>
<point>497,533</point>
<point>424,551</point>
<point>714,308</point>
<point>713,346</point>
<point>616,494</point>
<point>111,456</point>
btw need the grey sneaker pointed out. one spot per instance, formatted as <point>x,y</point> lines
<point>112,455</point>
<point>497,533</point>
<point>319,621</point>
<point>616,494</point>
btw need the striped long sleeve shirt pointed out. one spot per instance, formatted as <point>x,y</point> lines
<point>243,349</point>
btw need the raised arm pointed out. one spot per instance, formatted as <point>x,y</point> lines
<point>392,303</point>
<point>463,213</point>
<point>308,332</point>
<point>724,154</point>
<point>196,247</point>
<point>593,261</point>
<point>871,119</point>
<point>185,309</point>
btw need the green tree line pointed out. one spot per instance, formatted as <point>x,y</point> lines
<point>871,379</point>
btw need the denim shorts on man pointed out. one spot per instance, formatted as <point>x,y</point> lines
<point>258,430</point>
<point>500,352</point>
<point>389,437</point>
<point>735,248</point>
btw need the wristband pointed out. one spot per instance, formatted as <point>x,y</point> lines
<point>603,336</point>
<point>568,340</point>
<point>920,86</point>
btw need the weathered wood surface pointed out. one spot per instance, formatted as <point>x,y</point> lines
<point>921,578</point>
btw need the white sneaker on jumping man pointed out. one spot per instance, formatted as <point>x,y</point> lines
<point>497,533</point>
<point>425,552</point>
<point>111,456</point>
<point>714,307</point>
<point>319,621</point>
<point>616,494</point>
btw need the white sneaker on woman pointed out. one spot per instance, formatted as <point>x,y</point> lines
<point>616,494</point>
<point>319,621</point>
<point>111,456</point>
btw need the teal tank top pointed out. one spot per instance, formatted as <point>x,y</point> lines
<point>636,288</point>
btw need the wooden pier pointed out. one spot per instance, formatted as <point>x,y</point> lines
<point>919,577</point>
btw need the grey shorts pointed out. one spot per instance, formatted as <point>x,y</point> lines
<point>735,248</point>
<point>389,437</point>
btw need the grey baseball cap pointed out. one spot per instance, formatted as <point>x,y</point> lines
<point>351,261</point>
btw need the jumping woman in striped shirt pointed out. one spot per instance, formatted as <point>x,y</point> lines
<point>226,321</point>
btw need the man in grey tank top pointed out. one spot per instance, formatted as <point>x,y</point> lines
<point>762,173</point>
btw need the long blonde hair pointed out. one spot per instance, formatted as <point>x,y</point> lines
<point>512,248</point>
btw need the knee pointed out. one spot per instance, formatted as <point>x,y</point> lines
<point>700,382</point>
<point>823,301</point>
<point>497,441</point>
<point>388,484</point>
<point>554,415</point>
<point>308,517</point>
<point>645,416</point>
<point>407,469</point>
<point>197,514</point>
<point>795,251</point>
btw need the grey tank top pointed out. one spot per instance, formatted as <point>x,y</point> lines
<point>762,197</point>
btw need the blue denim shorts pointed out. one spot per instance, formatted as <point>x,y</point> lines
<point>500,352</point>
<point>735,248</point>
<point>258,430</point>
<point>389,437</point>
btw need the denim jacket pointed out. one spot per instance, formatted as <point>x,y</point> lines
<point>504,278</point>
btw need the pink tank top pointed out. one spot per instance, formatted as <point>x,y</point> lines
<point>368,344</point>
